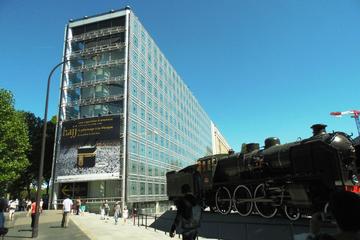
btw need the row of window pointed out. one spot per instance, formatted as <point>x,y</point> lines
<point>114,22</point>
<point>79,46</point>
<point>153,153</point>
<point>94,110</point>
<point>142,188</point>
<point>139,168</point>
<point>98,74</point>
<point>98,91</point>
<point>98,59</point>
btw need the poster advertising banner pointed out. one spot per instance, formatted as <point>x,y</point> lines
<point>89,149</point>
<point>90,130</point>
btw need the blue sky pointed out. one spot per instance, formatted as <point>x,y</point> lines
<point>259,68</point>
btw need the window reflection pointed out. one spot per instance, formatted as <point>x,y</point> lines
<point>74,78</point>
<point>101,109</point>
<point>72,113</point>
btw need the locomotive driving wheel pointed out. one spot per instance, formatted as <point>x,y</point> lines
<point>263,204</point>
<point>292,213</point>
<point>223,200</point>
<point>241,198</point>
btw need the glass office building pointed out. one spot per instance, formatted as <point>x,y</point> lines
<point>126,116</point>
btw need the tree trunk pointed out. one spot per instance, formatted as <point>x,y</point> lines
<point>28,191</point>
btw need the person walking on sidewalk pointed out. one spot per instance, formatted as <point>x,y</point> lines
<point>67,205</point>
<point>107,210</point>
<point>12,209</point>
<point>3,206</point>
<point>188,215</point>
<point>78,205</point>
<point>117,212</point>
<point>33,212</point>
<point>125,214</point>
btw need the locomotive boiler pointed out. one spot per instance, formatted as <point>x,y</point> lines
<point>294,178</point>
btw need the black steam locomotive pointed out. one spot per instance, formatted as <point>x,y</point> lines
<point>295,178</point>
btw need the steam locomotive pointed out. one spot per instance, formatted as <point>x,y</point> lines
<point>294,178</point>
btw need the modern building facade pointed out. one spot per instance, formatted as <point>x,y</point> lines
<point>125,117</point>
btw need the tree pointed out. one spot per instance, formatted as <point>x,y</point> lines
<point>30,175</point>
<point>14,141</point>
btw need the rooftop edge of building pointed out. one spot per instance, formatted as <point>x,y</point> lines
<point>100,14</point>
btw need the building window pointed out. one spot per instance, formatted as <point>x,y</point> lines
<point>150,189</point>
<point>142,150</point>
<point>134,167</point>
<point>150,170</point>
<point>142,188</point>
<point>133,146</point>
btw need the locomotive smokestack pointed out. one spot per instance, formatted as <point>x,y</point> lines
<point>318,129</point>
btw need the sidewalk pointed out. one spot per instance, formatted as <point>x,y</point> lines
<point>98,229</point>
<point>49,227</point>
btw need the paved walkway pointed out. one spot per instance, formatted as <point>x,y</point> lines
<point>88,226</point>
<point>106,229</point>
<point>49,227</point>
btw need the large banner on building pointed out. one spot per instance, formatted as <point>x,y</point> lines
<point>89,149</point>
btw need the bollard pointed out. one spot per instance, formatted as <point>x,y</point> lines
<point>146,221</point>
<point>154,226</point>
<point>138,220</point>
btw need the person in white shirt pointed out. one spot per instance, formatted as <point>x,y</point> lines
<point>12,208</point>
<point>67,206</point>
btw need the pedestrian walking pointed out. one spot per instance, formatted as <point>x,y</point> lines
<point>33,212</point>
<point>188,215</point>
<point>117,212</point>
<point>78,205</point>
<point>3,206</point>
<point>125,214</point>
<point>12,209</point>
<point>28,207</point>
<point>102,211</point>
<point>67,205</point>
<point>107,210</point>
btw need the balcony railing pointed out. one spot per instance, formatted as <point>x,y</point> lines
<point>97,33</point>
<point>113,80</point>
<point>95,50</point>
<point>93,101</point>
<point>95,65</point>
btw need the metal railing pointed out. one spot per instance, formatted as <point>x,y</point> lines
<point>97,33</point>
<point>95,50</point>
<point>94,100</point>
<point>113,80</point>
<point>95,65</point>
<point>145,220</point>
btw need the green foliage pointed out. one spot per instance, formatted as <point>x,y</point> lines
<point>14,141</point>
<point>30,175</point>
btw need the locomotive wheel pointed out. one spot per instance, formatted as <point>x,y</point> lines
<point>243,207</point>
<point>263,205</point>
<point>223,200</point>
<point>326,207</point>
<point>292,213</point>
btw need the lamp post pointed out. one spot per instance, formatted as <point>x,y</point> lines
<point>41,167</point>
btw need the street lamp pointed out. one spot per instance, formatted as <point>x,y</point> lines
<point>41,167</point>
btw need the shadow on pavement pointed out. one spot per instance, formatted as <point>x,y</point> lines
<point>16,237</point>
